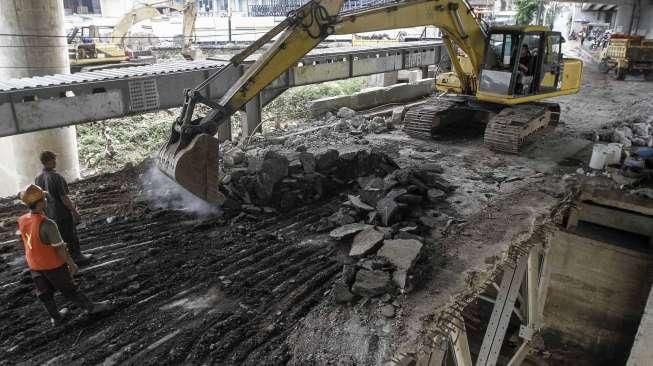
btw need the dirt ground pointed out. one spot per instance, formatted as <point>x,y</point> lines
<point>225,288</point>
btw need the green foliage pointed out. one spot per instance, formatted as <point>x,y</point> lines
<point>130,139</point>
<point>293,103</point>
<point>526,11</point>
<point>135,138</point>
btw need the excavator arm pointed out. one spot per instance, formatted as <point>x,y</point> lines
<point>190,155</point>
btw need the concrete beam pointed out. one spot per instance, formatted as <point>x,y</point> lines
<point>62,100</point>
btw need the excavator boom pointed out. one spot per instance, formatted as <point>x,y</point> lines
<point>191,153</point>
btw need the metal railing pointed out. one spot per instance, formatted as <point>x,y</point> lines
<point>278,8</point>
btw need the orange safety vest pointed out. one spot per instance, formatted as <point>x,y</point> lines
<point>40,257</point>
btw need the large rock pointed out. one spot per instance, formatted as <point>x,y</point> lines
<point>403,254</point>
<point>308,162</point>
<point>341,293</point>
<point>326,159</point>
<point>365,242</point>
<point>345,112</point>
<point>234,156</point>
<point>388,210</point>
<point>371,283</point>
<point>435,195</point>
<point>356,201</point>
<point>273,168</point>
<point>347,230</point>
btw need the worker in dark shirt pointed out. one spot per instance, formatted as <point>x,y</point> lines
<point>61,209</point>
<point>524,59</point>
<point>48,260</point>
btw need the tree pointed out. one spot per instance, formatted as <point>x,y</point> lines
<point>526,11</point>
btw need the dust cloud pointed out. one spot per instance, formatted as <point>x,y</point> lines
<point>164,193</point>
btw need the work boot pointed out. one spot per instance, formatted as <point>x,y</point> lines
<point>100,307</point>
<point>60,318</point>
<point>82,259</point>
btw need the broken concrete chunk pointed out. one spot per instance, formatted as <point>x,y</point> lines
<point>397,115</point>
<point>388,210</point>
<point>326,159</point>
<point>341,293</point>
<point>345,112</point>
<point>371,283</point>
<point>393,194</point>
<point>403,253</point>
<point>356,201</point>
<point>235,156</point>
<point>308,162</point>
<point>347,230</point>
<point>435,195</point>
<point>642,129</point>
<point>410,199</point>
<point>273,168</point>
<point>371,196</point>
<point>366,242</point>
<point>432,167</point>
<point>388,311</point>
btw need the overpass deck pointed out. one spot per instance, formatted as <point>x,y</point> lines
<point>32,104</point>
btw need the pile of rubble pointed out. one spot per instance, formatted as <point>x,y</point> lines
<point>389,223</point>
<point>263,178</point>
<point>634,129</point>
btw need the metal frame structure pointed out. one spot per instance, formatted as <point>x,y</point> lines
<point>38,103</point>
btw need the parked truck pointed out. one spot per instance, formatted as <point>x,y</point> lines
<point>627,54</point>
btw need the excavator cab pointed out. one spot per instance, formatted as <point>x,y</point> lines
<point>521,62</point>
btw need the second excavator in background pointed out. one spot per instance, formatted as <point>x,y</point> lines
<point>88,51</point>
<point>500,75</point>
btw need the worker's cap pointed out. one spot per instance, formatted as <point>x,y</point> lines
<point>32,194</point>
<point>47,156</point>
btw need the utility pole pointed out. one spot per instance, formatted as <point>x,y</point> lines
<point>229,18</point>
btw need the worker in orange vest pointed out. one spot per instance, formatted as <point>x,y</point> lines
<point>47,257</point>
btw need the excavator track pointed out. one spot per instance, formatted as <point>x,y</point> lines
<point>420,121</point>
<point>510,128</point>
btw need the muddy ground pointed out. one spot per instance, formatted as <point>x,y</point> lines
<point>223,288</point>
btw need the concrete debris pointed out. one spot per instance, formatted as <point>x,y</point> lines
<point>403,254</point>
<point>272,170</point>
<point>371,283</point>
<point>326,159</point>
<point>308,162</point>
<point>366,242</point>
<point>235,156</point>
<point>347,230</point>
<point>356,201</point>
<point>371,196</point>
<point>397,115</point>
<point>435,195</point>
<point>388,210</point>
<point>388,311</point>
<point>377,125</point>
<point>345,112</point>
<point>342,294</point>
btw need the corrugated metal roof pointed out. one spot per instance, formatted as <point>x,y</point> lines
<point>8,85</point>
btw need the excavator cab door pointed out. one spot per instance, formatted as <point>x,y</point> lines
<point>497,74</point>
<point>552,63</point>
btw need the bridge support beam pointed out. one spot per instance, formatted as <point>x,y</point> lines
<point>26,56</point>
<point>624,19</point>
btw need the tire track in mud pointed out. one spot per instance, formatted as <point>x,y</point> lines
<point>189,290</point>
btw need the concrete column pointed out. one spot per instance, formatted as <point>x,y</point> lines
<point>624,18</point>
<point>48,56</point>
<point>251,124</point>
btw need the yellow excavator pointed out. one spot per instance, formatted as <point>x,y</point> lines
<point>500,74</point>
<point>87,51</point>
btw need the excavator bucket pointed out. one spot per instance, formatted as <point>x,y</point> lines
<point>194,167</point>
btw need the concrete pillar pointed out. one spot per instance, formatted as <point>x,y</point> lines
<point>623,21</point>
<point>251,124</point>
<point>20,162</point>
<point>384,79</point>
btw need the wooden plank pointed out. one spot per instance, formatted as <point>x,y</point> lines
<point>461,353</point>
<point>616,219</point>
<point>503,309</point>
<point>616,198</point>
